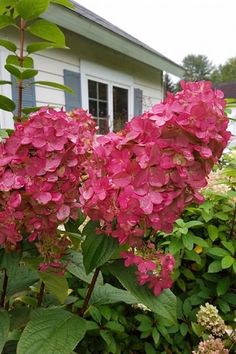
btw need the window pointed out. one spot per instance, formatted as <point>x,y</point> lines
<point>120,108</point>
<point>98,104</point>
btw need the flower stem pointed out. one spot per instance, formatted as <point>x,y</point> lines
<point>41,293</point>
<point>21,60</point>
<point>89,292</point>
<point>4,289</point>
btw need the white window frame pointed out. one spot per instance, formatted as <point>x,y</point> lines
<point>110,77</point>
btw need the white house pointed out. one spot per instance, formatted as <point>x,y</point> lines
<point>114,75</point>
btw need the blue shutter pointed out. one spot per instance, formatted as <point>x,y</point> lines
<point>28,93</point>
<point>138,101</point>
<point>72,80</point>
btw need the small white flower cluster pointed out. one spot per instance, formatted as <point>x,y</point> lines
<point>209,318</point>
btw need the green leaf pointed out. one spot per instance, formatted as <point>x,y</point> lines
<point>95,314</point>
<point>108,294</point>
<point>28,110</point>
<point>175,246</point>
<point>115,326</point>
<point>234,266</point>
<point>109,340</point>
<point>47,31</point>
<point>20,72</point>
<point>14,70</point>
<point>200,242</point>
<point>197,329</point>
<point>187,307</point>
<point>3,134</point>
<point>222,216</point>
<point>163,305</point>
<point>192,256</point>
<point>188,241</point>
<point>76,267</point>
<point>37,46</point>
<point>4,328</point>
<point>97,249</point>
<point>28,74</point>
<point>212,232</point>
<point>6,21</point>
<point>6,104</point>
<point>193,223</point>
<point>65,3</point>
<point>21,279</point>
<point>8,45</point>
<point>229,246</point>
<point>52,331</point>
<point>183,329</point>
<point>31,9</point>
<point>149,348</point>
<point>227,261</point>
<point>156,336</point>
<point>218,252</point>
<point>55,85</point>
<point>91,326</point>
<point>223,306</point>
<point>56,284</point>
<point>223,286</point>
<point>215,267</point>
<point>14,60</point>
<point>3,82</point>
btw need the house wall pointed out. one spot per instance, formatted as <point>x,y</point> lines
<point>93,61</point>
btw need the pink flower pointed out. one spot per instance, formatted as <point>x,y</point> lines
<point>153,269</point>
<point>154,168</point>
<point>42,166</point>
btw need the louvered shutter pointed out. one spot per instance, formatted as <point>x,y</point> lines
<point>138,101</point>
<point>73,80</point>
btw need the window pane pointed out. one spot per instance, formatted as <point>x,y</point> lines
<point>102,109</point>
<point>102,88</point>
<point>92,87</point>
<point>103,126</point>
<point>93,108</point>
<point>120,108</point>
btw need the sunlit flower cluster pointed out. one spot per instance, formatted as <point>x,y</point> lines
<point>41,166</point>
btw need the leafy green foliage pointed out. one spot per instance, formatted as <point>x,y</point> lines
<point>52,331</point>
<point>56,284</point>
<point>30,9</point>
<point>97,248</point>
<point>164,305</point>
<point>4,328</point>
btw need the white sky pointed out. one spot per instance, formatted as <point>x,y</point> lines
<point>175,28</point>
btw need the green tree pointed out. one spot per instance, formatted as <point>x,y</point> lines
<point>225,72</point>
<point>169,85</point>
<point>197,67</point>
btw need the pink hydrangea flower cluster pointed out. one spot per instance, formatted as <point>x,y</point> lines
<point>144,176</point>
<point>41,167</point>
<point>154,270</point>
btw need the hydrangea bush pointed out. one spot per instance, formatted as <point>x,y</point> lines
<point>74,204</point>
